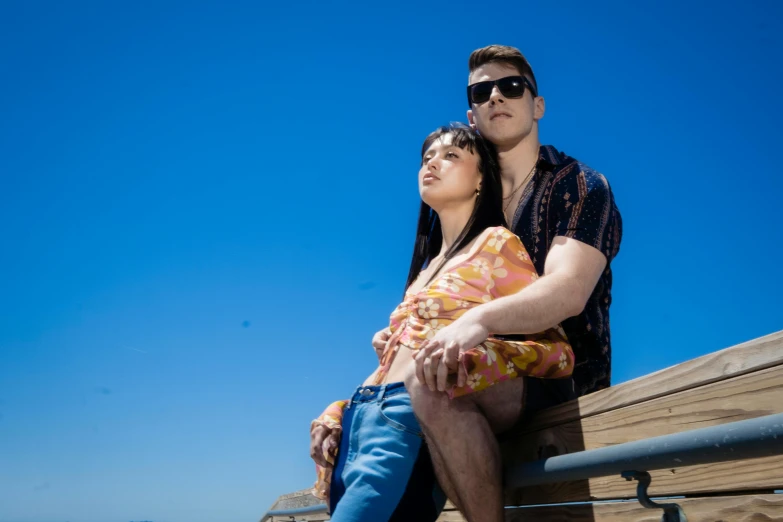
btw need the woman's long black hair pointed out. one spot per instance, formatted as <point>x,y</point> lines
<point>487,212</point>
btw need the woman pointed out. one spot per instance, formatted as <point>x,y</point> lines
<point>463,257</point>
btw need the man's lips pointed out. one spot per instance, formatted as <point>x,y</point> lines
<point>499,114</point>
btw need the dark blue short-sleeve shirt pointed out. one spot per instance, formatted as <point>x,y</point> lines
<point>568,198</point>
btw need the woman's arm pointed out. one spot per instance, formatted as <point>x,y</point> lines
<point>325,434</point>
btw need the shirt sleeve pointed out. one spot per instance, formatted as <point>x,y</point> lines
<point>332,418</point>
<point>511,267</point>
<point>543,355</point>
<point>586,211</point>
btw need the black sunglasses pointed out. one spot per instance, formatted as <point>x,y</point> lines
<point>510,87</point>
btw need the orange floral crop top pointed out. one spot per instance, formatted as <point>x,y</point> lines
<point>500,267</point>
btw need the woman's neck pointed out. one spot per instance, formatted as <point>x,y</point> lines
<point>452,223</point>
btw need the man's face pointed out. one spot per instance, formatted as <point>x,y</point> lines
<point>504,121</point>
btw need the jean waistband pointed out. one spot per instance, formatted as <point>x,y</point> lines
<point>377,393</point>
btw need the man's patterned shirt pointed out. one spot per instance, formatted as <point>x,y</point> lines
<point>567,198</point>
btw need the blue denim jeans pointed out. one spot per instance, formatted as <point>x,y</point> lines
<point>383,470</point>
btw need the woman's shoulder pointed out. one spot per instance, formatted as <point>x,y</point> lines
<point>479,242</point>
<point>494,238</point>
<point>500,230</point>
<point>489,233</point>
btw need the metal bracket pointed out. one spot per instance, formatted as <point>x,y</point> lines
<point>671,512</point>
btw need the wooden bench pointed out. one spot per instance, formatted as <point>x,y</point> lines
<point>734,384</point>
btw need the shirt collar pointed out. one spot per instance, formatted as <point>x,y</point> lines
<point>549,158</point>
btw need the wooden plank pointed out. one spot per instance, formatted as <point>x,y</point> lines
<point>744,397</point>
<point>744,358</point>
<point>451,516</point>
<point>764,473</point>
<point>743,508</point>
<point>736,508</point>
<point>728,476</point>
<point>739,508</point>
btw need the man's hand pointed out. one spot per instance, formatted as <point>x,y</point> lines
<point>442,355</point>
<point>379,342</point>
<point>322,441</point>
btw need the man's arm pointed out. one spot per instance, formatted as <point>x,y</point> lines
<point>588,228</point>
<point>571,271</point>
<point>588,231</point>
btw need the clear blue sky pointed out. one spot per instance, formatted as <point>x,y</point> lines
<point>207,210</point>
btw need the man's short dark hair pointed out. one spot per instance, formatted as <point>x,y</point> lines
<point>502,54</point>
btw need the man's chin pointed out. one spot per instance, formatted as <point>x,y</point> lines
<point>504,139</point>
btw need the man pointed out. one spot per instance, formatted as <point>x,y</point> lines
<point>564,213</point>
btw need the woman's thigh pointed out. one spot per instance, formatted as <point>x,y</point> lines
<point>384,471</point>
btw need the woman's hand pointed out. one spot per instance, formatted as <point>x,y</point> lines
<point>322,441</point>
<point>379,342</point>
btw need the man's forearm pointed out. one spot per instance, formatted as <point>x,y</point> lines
<point>542,305</point>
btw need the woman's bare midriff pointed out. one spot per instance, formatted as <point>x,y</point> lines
<point>400,366</point>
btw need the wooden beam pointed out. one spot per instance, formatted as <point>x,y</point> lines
<point>739,508</point>
<point>744,397</point>
<point>750,508</point>
<point>748,357</point>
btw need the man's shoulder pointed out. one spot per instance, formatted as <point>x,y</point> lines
<point>567,170</point>
<point>582,202</point>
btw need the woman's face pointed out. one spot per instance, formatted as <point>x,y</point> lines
<point>449,175</point>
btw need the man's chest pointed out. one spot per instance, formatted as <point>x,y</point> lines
<point>533,222</point>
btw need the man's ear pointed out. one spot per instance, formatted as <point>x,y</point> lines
<point>470,119</point>
<point>540,108</point>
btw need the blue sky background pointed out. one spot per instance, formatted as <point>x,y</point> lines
<point>207,210</point>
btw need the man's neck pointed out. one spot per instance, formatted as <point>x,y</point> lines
<point>517,162</point>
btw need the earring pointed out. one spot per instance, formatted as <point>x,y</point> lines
<point>478,192</point>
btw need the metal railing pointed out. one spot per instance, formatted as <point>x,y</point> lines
<point>746,439</point>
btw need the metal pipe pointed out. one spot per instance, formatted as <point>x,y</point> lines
<point>747,439</point>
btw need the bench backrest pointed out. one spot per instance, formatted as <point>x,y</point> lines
<point>742,382</point>
<point>737,383</point>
